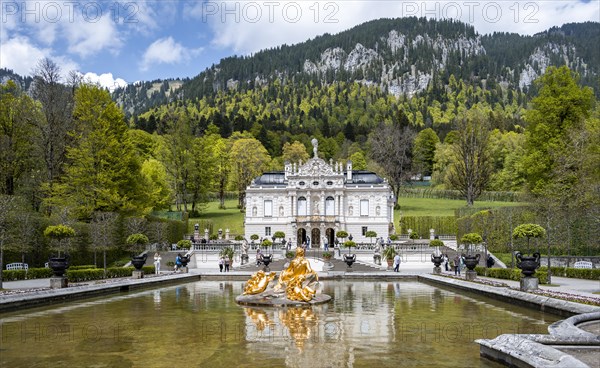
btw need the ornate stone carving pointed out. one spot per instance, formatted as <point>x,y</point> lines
<point>315,167</point>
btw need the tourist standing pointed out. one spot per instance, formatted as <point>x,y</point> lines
<point>446,262</point>
<point>325,244</point>
<point>456,264</point>
<point>157,259</point>
<point>397,263</point>
<point>490,261</point>
<point>227,262</point>
<point>221,264</point>
<point>259,257</point>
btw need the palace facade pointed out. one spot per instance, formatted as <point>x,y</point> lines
<point>314,200</point>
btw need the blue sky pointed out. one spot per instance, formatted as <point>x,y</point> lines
<point>121,41</point>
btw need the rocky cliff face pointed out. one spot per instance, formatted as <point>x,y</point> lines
<point>401,48</point>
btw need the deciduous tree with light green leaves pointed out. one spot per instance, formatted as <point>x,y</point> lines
<point>471,169</point>
<point>218,156</point>
<point>176,154</point>
<point>558,112</point>
<point>17,155</point>
<point>104,171</point>
<point>294,152</point>
<point>248,160</point>
<point>424,150</point>
<point>359,162</point>
<point>157,184</point>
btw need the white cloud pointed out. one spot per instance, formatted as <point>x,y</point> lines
<point>166,51</point>
<point>20,55</point>
<point>88,38</point>
<point>105,80</point>
<point>248,27</point>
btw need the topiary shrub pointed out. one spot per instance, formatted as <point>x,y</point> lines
<point>184,244</point>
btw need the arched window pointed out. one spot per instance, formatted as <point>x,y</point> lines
<point>329,206</point>
<point>301,206</point>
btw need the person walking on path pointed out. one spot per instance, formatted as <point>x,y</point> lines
<point>397,263</point>
<point>221,264</point>
<point>157,259</point>
<point>178,263</point>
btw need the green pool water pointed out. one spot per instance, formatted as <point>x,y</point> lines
<point>367,324</point>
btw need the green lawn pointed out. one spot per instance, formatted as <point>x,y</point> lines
<point>440,207</point>
<point>232,219</point>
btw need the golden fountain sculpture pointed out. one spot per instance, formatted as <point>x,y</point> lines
<point>297,283</point>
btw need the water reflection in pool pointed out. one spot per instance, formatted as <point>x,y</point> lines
<point>367,324</point>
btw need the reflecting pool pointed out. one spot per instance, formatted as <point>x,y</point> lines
<point>367,324</point>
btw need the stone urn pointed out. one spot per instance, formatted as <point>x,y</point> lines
<point>327,265</point>
<point>471,261</point>
<point>266,260</point>
<point>58,265</point>
<point>528,264</point>
<point>139,261</point>
<point>437,261</point>
<point>349,259</point>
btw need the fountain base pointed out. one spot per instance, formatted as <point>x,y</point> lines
<point>269,300</point>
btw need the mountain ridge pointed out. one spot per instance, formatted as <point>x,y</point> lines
<point>401,56</point>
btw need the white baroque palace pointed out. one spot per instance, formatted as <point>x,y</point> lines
<point>317,199</point>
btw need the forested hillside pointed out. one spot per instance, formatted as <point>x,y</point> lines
<point>404,57</point>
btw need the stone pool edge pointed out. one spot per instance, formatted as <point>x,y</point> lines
<point>533,350</point>
<point>54,296</point>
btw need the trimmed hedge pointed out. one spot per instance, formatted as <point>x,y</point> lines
<point>98,273</point>
<point>577,273</point>
<point>74,273</point>
<point>32,273</point>
<point>82,267</point>
<point>510,273</point>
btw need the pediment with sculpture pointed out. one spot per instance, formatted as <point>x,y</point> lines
<point>315,167</point>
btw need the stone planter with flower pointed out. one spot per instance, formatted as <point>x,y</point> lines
<point>60,236</point>
<point>388,254</point>
<point>327,265</point>
<point>137,245</point>
<point>437,258</point>
<point>528,264</point>
<point>471,260</point>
